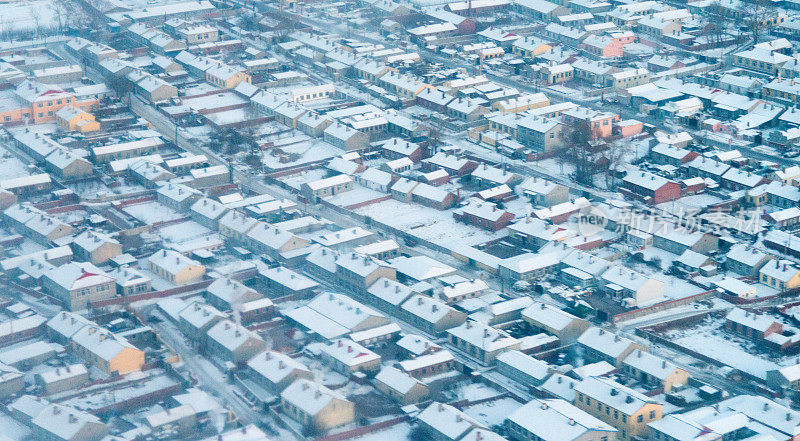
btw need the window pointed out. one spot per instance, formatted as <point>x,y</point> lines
<point>652,414</point>
<point>640,418</point>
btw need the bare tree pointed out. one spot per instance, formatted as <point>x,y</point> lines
<point>715,21</point>
<point>579,152</point>
<point>758,15</point>
<point>36,15</point>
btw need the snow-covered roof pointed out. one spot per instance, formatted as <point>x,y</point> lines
<point>483,336</point>
<point>421,267</point>
<point>613,394</point>
<point>650,364</point>
<point>556,420</point>
<point>275,366</point>
<point>549,316</point>
<point>447,420</point>
<point>397,379</point>
<point>310,397</point>
<point>348,352</point>
<point>78,275</point>
<point>605,342</point>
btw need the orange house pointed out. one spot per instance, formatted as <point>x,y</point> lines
<point>39,103</point>
<point>72,119</point>
<point>601,124</point>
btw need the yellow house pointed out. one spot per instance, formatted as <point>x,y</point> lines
<point>620,406</point>
<point>226,77</point>
<point>781,275</point>
<point>72,119</point>
<point>654,371</point>
<point>175,267</point>
<point>314,405</point>
<point>105,351</point>
<point>522,103</point>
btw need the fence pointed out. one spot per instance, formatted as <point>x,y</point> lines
<point>663,306</point>
<point>361,431</point>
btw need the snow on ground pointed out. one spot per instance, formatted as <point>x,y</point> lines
<point>28,15</point>
<point>473,391</point>
<point>11,167</point>
<point>307,152</point>
<point>357,195</point>
<point>93,190</point>
<point>427,223</point>
<point>152,212</point>
<point>11,428</point>
<point>182,232</point>
<point>710,339</point>
<point>689,204</point>
<point>297,180</point>
<point>494,412</point>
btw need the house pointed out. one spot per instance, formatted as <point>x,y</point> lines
<point>650,188</point>
<point>539,133</point>
<point>130,281</point>
<point>600,123</point>
<point>359,272</point>
<point>522,368</point>
<point>453,164</point>
<point>207,212</point>
<point>376,179</point>
<point>60,379</point>
<point>282,282</point>
<point>786,378</point>
<point>96,247</point>
<point>314,405</point>
<point>345,137</point>
<point>602,345</point>
<point>234,226</point>
<point>178,197</point>
<point>556,420</point>
<point>484,215</point>
<point>459,291</point>
<point>56,422</point>
<point>782,275</point>
<point>275,371</point>
<point>389,294</point>
<point>233,342</point>
<point>78,284</point>
<point>630,287</point>
<point>429,364</point>
<point>348,357</point>
<point>400,386</point>
<point>528,266</point>
<point>554,321</point>
<point>226,294</point>
<point>12,381</point>
<point>197,318</point>
<point>328,186</point>
<point>663,153</point>
<point>676,240</point>
<point>751,325</point>
<point>272,241</point>
<point>333,315</point>
<point>601,46</point>
<point>72,119</point>
<point>443,422</point>
<point>617,405</point>
<point>431,315</point>
<point>106,351</point>
<point>434,197</point>
<point>654,371</point>
<point>481,341</point>
<point>175,267</point>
